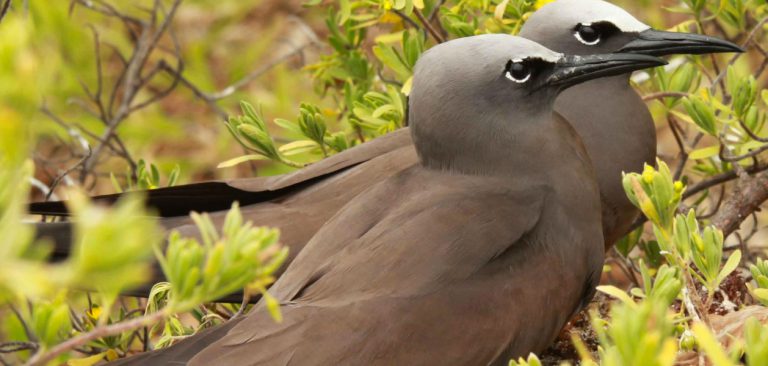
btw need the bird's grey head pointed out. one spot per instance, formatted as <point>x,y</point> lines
<point>473,94</point>
<point>583,27</point>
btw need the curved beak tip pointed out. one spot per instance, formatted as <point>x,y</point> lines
<point>661,43</point>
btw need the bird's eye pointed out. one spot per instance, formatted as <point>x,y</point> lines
<point>518,71</point>
<point>587,34</point>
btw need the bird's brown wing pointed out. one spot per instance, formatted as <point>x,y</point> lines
<point>389,275</point>
<point>219,195</point>
<point>298,217</point>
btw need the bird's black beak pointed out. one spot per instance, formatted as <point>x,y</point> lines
<point>572,70</point>
<point>660,43</point>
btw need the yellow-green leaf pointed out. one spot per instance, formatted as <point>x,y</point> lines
<point>87,361</point>
<point>711,347</point>
<point>704,153</point>
<point>240,159</point>
<point>730,265</point>
<point>407,86</point>
<point>617,293</point>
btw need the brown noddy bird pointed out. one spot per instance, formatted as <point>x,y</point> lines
<point>611,117</point>
<point>478,252</point>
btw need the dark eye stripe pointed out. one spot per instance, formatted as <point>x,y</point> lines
<point>592,34</point>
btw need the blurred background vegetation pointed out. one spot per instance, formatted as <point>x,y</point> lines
<point>114,95</point>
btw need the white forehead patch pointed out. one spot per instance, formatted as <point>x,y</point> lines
<point>515,48</point>
<point>592,11</point>
<point>616,15</point>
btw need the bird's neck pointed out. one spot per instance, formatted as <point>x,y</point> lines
<point>534,147</point>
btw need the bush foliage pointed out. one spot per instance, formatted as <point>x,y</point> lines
<point>91,85</point>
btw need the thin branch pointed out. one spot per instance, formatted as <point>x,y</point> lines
<point>41,359</point>
<point>435,10</point>
<point>212,98</point>
<point>255,74</point>
<point>406,19</point>
<point>241,311</point>
<point>4,9</point>
<point>27,329</point>
<point>131,80</point>
<point>745,199</point>
<point>432,31</point>
<point>719,204</point>
<point>12,347</point>
<point>736,158</point>
<point>719,179</point>
<point>750,37</point>
<point>751,133</point>
<point>679,140</point>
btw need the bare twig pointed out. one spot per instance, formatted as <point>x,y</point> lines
<point>132,80</point>
<point>11,347</point>
<point>27,329</point>
<point>719,204</point>
<point>719,179</point>
<point>435,10</point>
<point>243,305</point>
<point>406,19</point>
<point>736,158</point>
<point>40,359</point>
<point>746,198</point>
<point>432,31</point>
<point>212,98</point>
<point>674,127</point>
<point>750,37</point>
<point>4,9</point>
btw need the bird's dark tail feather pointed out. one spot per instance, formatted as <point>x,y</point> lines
<point>171,201</point>
<point>58,234</point>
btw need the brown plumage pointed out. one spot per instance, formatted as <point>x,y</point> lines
<point>478,251</point>
<point>608,114</point>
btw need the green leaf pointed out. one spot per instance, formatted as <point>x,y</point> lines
<point>730,265</point>
<point>87,361</point>
<point>761,294</point>
<point>240,159</point>
<point>298,147</point>
<point>628,242</point>
<point>389,37</point>
<point>389,57</point>
<point>273,306</point>
<point>711,347</point>
<point>345,10</point>
<point>115,183</point>
<point>174,176</point>
<point>756,342</point>
<point>702,114</point>
<point>617,293</point>
<point>704,153</point>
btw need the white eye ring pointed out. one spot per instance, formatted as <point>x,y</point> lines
<point>578,36</point>
<point>509,76</point>
<point>519,81</point>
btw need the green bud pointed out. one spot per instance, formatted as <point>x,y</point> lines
<point>679,186</point>
<point>687,341</point>
<point>702,114</point>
